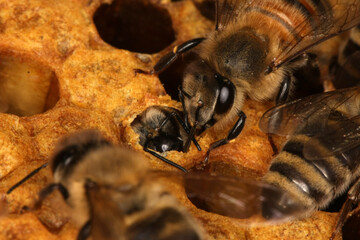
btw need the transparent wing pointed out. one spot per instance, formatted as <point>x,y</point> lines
<point>342,140</point>
<point>318,21</point>
<point>334,17</point>
<point>255,202</point>
<point>311,115</point>
<point>228,11</point>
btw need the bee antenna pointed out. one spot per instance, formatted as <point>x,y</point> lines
<point>192,131</point>
<point>26,178</point>
<point>190,137</point>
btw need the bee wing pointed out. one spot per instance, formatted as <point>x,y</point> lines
<point>334,17</point>
<point>309,115</point>
<point>341,139</point>
<point>246,199</point>
<point>228,11</point>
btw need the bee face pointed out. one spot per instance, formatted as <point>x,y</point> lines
<point>208,95</point>
<point>72,149</point>
<point>156,134</point>
<point>163,129</point>
<point>201,91</point>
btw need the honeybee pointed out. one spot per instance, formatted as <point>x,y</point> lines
<point>110,194</point>
<point>320,160</point>
<point>162,129</point>
<point>256,46</point>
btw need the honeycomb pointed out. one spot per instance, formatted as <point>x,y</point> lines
<point>69,65</point>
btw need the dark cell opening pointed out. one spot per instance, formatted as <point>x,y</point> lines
<point>206,8</point>
<point>308,79</point>
<point>27,87</point>
<point>336,204</point>
<point>351,230</point>
<point>347,75</point>
<point>171,78</point>
<point>135,25</point>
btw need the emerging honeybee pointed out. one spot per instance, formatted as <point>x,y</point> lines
<point>162,129</point>
<point>320,160</point>
<point>256,46</point>
<point>111,194</point>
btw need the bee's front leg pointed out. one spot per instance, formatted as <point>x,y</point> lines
<point>170,57</point>
<point>233,133</point>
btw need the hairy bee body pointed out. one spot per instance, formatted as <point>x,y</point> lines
<point>170,136</point>
<point>314,183</point>
<point>321,157</point>
<point>111,195</point>
<point>162,129</point>
<point>254,51</point>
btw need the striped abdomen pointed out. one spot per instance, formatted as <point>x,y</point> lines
<point>291,19</point>
<point>313,182</point>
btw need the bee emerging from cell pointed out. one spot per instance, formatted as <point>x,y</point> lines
<point>253,52</point>
<point>163,129</point>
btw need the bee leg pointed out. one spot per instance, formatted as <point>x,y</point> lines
<point>170,57</point>
<point>185,123</point>
<point>26,178</point>
<point>233,133</point>
<point>182,97</point>
<point>85,231</point>
<point>146,149</point>
<point>284,90</point>
<point>48,190</point>
<point>187,130</point>
<point>272,144</point>
<point>193,128</point>
<point>352,198</point>
<point>182,123</point>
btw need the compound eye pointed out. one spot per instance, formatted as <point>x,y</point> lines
<point>70,155</point>
<point>166,143</point>
<point>65,157</point>
<point>224,95</point>
<point>225,98</point>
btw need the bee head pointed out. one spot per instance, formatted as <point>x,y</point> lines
<point>155,133</point>
<point>207,95</point>
<point>72,149</point>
